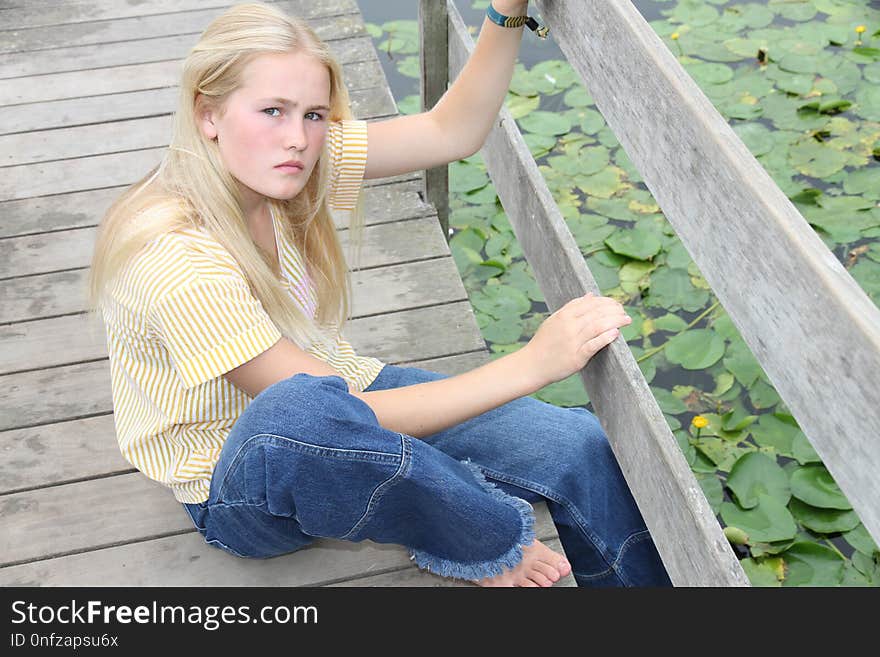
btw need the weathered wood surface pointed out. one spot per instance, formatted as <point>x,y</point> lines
<point>187,561</point>
<point>813,329</point>
<point>72,136</point>
<point>433,82</point>
<point>684,528</point>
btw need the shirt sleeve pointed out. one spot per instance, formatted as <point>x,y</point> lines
<point>347,149</point>
<point>212,325</point>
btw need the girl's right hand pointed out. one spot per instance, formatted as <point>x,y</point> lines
<point>566,341</point>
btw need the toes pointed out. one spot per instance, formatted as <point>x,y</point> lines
<point>547,570</point>
<point>529,583</point>
<point>540,579</point>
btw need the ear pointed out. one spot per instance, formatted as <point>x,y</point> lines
<point>205,116</point>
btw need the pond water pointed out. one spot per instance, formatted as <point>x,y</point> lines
<point>825,158</point>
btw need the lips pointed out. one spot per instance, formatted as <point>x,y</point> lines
<point>291,166</point>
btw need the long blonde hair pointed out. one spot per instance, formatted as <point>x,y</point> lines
<point>192,188</point>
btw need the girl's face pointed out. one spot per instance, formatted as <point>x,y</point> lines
<point>279,114</point>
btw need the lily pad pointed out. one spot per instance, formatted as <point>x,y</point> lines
<point>545,123</point>
<point>814,485</point>
<point>803,451</point>
<point>672,289</point>
<point>772,431</point>
<point>695,349</point>
<point>811,564</point>
<point>823,521</point>
<point>861,540</point>
<point>769,520</point>
<point>634,243</point>
<point>754,474</point>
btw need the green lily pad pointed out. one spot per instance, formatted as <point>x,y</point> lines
<point>465,177</point>
<point>754,474</point>
<point>861,540</point>
<point>823,521</point>
<point>670,322</point>
<point>814,159</point>
<point>578,96</point>
<point>568,392</point>
<point>706,73</point>
<point>695,349</point>
<point>799,63</point>
<point>755,136</point>
<point>763,395</point>
<point>545,123</point>
<point>759,574</point>
<point>867,275</point>
<point>803,451</point>
<point>519,106</point>
<point>507,329</point>
<point>634,276</point>
<point>811,564</point>
<point>742,363</point>
<point>672,289</point>
<point>814,485</point>
<point>634,243</point>
<point>606,183</point>
<point>668,402</point>
<point>723,453</point>
<point>769,521</point>
<point>772,431</point>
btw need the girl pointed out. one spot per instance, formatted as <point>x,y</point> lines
<point>224,292</point>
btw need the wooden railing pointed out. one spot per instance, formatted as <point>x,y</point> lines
<point>811,327</point>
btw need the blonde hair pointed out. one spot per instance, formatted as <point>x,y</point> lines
<point>192,188</point>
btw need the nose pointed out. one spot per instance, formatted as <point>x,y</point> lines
<point>295,137</point>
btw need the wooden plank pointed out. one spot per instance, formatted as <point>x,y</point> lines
<point>400,335</point>
<point>814,330</point>
<point>80,35</point>
<point>86,447</point>
<point>139,77</point>
<point>47,213</point>
<point>82,141</point>
<point>684,528</point>
<point>41,253</point>
<point>55,89</point>
<point>433,82</point>
<point>186,560</point>
<point>375,290</point>
<point>101,107</point>
<point>414,577</point>
<point>28,70</point>
<point>95,10</point>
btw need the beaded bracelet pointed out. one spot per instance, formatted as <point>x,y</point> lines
<point>517,21</point>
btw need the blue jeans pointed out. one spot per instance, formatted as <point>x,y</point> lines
<point>308,459</point>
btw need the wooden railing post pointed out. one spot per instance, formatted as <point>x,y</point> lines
<point>434,63</point>
<point>813,329</point>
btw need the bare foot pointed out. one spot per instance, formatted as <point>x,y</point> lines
<point>540,566</point>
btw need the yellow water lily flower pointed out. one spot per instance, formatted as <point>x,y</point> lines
<point>699,422</point>
<point>860,29</point>
<point>674,36</point>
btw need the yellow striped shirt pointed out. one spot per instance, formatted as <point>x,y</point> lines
<point>181,314</point>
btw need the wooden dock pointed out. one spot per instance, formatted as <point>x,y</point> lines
<point>86,94</point>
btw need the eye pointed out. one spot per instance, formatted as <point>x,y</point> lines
<point>269,109</point>
<point>319,116</point>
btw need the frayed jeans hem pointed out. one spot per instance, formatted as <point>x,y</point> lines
<point>473,571</point>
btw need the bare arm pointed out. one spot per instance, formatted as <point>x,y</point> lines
<point>418,410</point>
<point>426,408</point>
<point>457,126</point>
